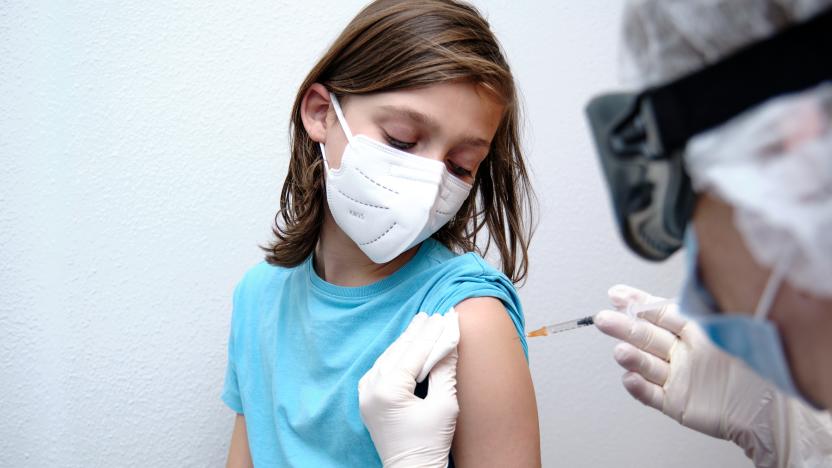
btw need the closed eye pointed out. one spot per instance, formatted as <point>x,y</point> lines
<point>398,144</point>
<point>458,171</point>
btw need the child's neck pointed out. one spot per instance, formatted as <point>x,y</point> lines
<point>339,261</point>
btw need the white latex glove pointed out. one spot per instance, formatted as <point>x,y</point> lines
<point>673,367</point>
<point>407,430</point>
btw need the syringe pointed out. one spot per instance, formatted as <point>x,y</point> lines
<point>632,310</point>
<point>561,327</point>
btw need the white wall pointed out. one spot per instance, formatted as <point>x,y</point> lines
<point>143,145</point>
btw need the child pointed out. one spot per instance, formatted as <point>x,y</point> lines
<point>404,146</point>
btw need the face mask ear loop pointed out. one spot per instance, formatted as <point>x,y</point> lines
<point>323,154</point>
<point>340,115</point>
<point>342,121</point>
<point>784,260</point>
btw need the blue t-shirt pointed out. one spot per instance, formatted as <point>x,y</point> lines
<point>299,345</point>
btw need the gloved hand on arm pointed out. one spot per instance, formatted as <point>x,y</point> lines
<point>409,431</point>
<point>673,367</point>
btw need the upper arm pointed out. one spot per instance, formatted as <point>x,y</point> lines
<point>497,423</point>
<point>239,455</point>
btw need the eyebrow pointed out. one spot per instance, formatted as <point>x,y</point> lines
<point>423,119</point>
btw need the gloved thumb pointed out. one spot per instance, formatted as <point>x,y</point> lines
<point>416,351</point>
<point>442,379</point>
<point>446,343</point>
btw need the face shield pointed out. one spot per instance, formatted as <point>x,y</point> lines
<point>641,137</point>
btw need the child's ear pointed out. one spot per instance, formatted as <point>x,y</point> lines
<point>314,110</point>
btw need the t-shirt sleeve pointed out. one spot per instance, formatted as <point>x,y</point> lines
<point>478,279</point>
<point>231,389</point>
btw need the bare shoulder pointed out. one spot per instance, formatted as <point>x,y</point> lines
<point>486,315</point>
<point>497,423</point>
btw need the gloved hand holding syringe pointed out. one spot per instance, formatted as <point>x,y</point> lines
<point>632,310</point>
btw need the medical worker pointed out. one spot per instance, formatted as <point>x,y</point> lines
<point>726,151</point>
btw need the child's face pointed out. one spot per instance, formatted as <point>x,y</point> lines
<point>450,122</point>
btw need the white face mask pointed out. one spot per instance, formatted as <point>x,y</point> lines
<point>387,200</point>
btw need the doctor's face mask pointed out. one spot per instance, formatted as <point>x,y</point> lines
<point>387,200</point>
<point>753,339</point>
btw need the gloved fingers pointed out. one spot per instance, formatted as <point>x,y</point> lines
<point>388,359</point>
<point>614,324</point>
<point>446,343</point>
<point>442,379</point>
<point>622,295</point>
<point>640,333</point>
<point>393,374</point>
<point>413,356</point>
<point>653,339</point>
<point>650,367</point>
<point>646,392</point>
<point>666,316</point>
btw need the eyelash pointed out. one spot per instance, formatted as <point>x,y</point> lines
<point>458,170</point>
<point>403,145</point>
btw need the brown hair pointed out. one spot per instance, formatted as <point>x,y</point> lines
<point>398,44</point>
